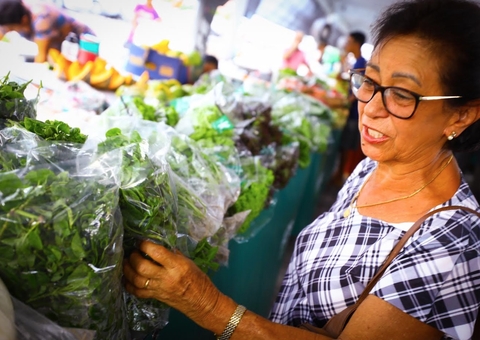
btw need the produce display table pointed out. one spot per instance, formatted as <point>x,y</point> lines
<point>254,266</point>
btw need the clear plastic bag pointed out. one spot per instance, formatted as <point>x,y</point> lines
<point>77,95</point>
<point>17,110</point>
<point>303,120</point>
<point>195,189</point>
<point>210,186</point>
<point>61,237</point>
<point>20,148</point>
<point>31,325</point>
<point>149,210</point>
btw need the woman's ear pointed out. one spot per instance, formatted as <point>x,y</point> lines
<point>463,118</point>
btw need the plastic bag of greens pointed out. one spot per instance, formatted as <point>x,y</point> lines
<point>303,119</point>
<point>210,80</point>
<point>32,140</point>
<point>205,191</point>
<point>214,186</point>
<point>149,209</point>
<point>31,325</point>
<point>61,240</point>
<point>282,160</point>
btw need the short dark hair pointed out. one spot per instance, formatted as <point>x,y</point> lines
<point>12,12</point>
<point>451,31</point>
<point>211,60</point>
<point>358,37</point>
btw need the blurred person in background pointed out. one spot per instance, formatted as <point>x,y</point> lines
<point>141,12</point>
<point>293,57</point>
<point>210,63</point>
<point>350,150</point>
<point>42,23</point>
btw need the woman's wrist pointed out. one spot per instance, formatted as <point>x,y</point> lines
<point>232,323</point>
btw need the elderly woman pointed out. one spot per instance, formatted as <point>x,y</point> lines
<point>419,101</point>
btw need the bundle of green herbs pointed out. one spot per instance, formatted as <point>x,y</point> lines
<point>61,236</point>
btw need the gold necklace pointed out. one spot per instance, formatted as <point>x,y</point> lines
<point>347,211</point>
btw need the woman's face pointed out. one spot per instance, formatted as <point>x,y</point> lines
<point>404,62</point>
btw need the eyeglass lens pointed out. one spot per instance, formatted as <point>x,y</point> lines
<point>397,101</point>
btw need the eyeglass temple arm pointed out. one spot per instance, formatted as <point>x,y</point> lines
<point>439,97</point>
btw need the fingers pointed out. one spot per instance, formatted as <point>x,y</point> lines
<point>137,284</point>
<point>159,254</point>
<point>144,266</point>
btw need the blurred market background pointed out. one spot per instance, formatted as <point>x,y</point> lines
<point>251,147</point>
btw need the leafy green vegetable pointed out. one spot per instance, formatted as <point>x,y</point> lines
<point>212,125</point>
<point>161,113</point>
<point>13,104</point>
<point>11,90</point>
<point>53,130</point>
<point>256,185</point>
<point>204,256</point>
<point>147,199</point>
<point>303,120</point>
<point>60,248</point>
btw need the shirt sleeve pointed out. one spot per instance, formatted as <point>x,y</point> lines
<point>43,26</point>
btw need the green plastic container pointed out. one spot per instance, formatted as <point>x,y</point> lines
<point>331,157</point>
<point>254,266</point>
<point>309,200</point>
<point>321,169</point>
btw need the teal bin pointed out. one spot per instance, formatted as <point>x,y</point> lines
<point>321,169</point>
<point>254,266</point>
<point>309,200</point>
<point>331,157</point>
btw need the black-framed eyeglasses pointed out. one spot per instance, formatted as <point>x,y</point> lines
<point>399,102</point>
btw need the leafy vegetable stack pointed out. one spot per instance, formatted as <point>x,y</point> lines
<point>256,186</point>
<point>261,137</point>
<point>60,239</point>
<point>211,127</point>
<point>158,113</point>
<point>13,104</point>
<point>304,120</point>
<point>203,188</point>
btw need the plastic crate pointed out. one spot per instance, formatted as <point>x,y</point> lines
<point>157,65</point>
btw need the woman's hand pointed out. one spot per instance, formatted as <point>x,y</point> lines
<point>175,280</point>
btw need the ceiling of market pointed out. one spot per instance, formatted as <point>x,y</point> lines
<point>355,14</point>
<point>309,16</point>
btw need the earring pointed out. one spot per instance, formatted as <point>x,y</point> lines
<point>452,135</point>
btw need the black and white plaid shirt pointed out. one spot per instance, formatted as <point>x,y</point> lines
<point>435,278</point>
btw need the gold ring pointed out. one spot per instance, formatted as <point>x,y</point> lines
<point>145,286</point>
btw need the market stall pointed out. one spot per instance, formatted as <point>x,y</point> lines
<point>218,169</point>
